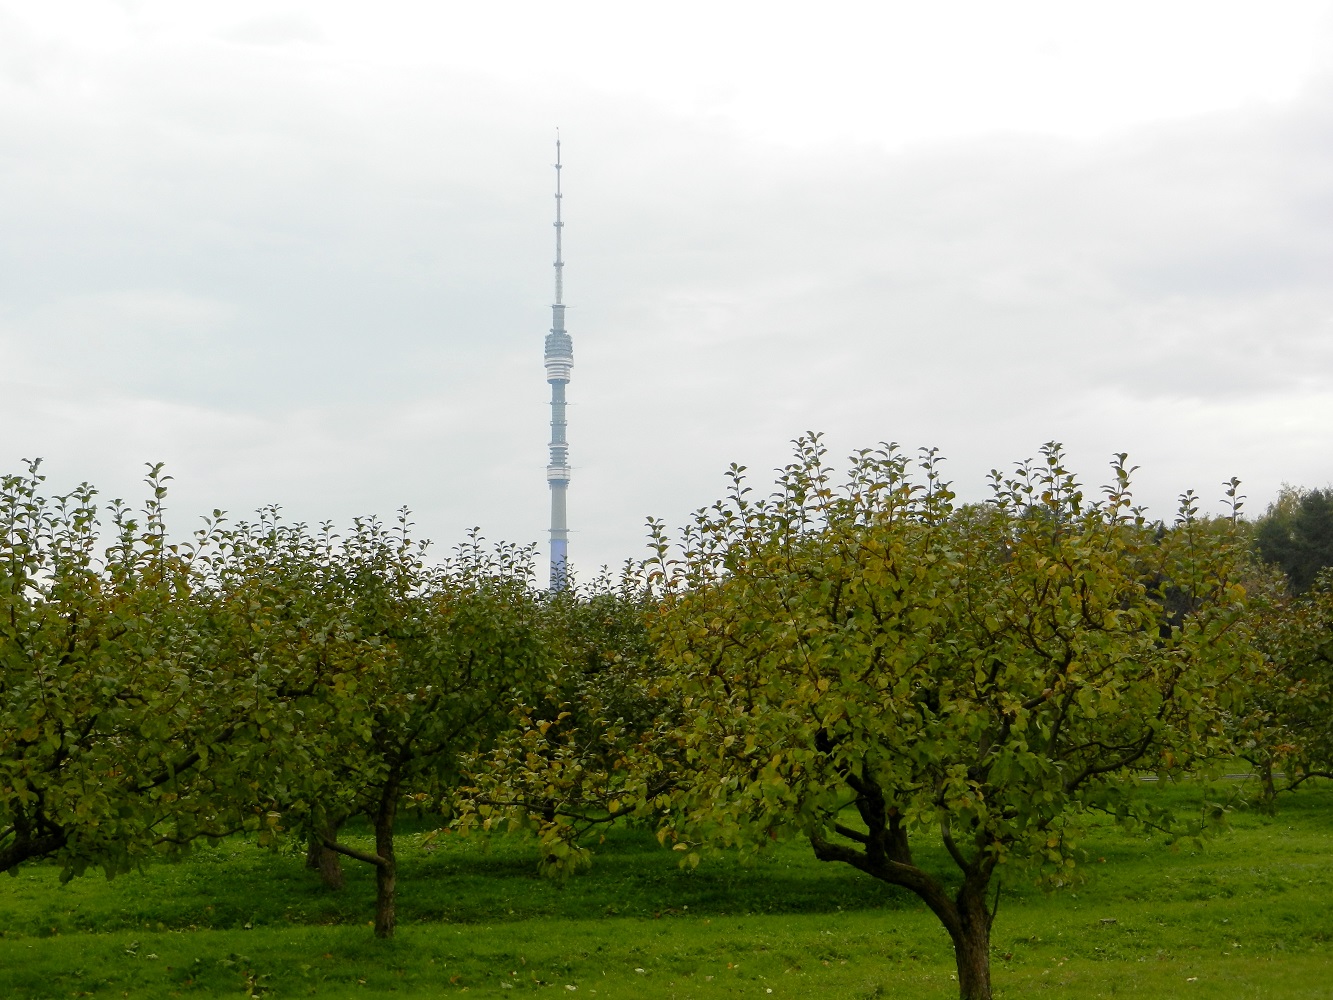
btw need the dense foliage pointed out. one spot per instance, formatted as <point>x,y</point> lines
<point>261,677</point>
<point>860,662</point>
<point>129,721</point>
<point>1288,734</point>
<point>866,661</point>
<point>1296,534</point>
<point>594,746</point>
<point>442,652</point>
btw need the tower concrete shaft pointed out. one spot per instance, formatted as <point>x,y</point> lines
<point>559,361</point>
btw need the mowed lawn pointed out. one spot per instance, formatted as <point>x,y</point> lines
<point>1251,915</point>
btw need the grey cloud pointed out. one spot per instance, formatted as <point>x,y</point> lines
<point>332,295</point>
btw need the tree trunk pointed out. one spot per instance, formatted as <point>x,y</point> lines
<point>319,858</point>
<point>973,957</point>
<point>971,947</point>
<point>1268,790</point>
<point>386,874</point>
<point>884,854</point>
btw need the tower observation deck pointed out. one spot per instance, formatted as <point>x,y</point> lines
<point>559,361</point>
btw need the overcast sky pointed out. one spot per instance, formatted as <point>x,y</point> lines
<point>300,251</point>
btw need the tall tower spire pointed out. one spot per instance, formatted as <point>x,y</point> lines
<point>559,361</point>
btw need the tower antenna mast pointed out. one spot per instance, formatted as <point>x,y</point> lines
<point>559,361</point>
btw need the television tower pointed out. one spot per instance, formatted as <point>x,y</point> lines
<point>559,361</point>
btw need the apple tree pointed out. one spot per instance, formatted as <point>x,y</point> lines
<point>594,745</point>
<point>127,723</point>
<point>1289,731</point>
<point>435,657</point>
<point>869,665</point>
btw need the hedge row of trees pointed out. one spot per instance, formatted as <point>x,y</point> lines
<point>1293,608</point>
<point>260,677</point>
<point>857,660</point>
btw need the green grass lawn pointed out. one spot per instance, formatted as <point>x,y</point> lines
<point>1250,916</point>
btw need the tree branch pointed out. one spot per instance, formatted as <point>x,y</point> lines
<point>947,836</point>
<point>851,834</point>
<point>352,852</point>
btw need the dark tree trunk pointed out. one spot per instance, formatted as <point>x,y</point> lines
<point>968,921</point>
<point>972,955</point>
<point>883,852</point>
<point>965,917</point>
<point>971,944</point>
<point>1268,790</point>
<point>386,873</point>
<point>319,858</point>
<point>26,848</point>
